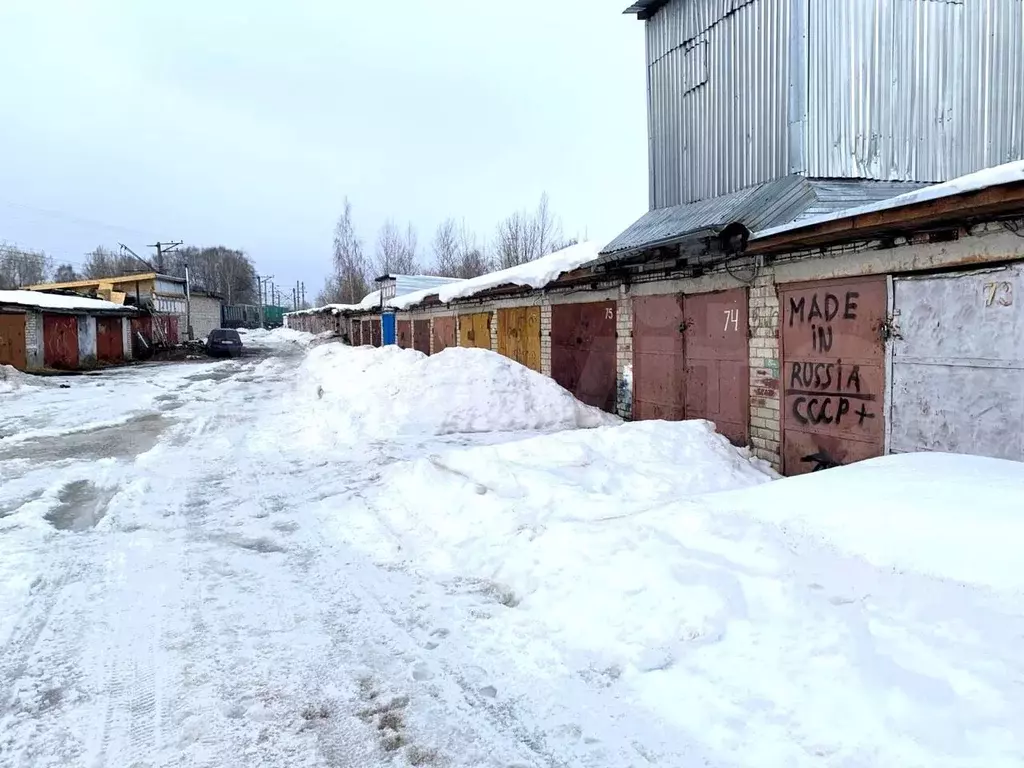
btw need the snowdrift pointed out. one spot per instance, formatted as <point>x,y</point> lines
<point>277,336</point>
<point>11,379</point>
<point>356,394</point>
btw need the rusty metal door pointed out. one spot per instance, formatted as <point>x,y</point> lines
<point>475,330</point>
<point>421,336</point>
<point>142,337</point>
<point>405,334</point>
<point>376,332</point>
<point>583,351</point>
<point>60,341</point>
<point>12,340</point>
<point>357,334</point>
<point>443,334</point>
<point>958,363</point>
<point>109,339</point>
<point>659,365</point>
<point>718,361</point>
<point>367,333</point>
<point>519,335</point>
<point>833,363</point>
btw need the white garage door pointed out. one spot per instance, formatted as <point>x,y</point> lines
<point>958,363</point>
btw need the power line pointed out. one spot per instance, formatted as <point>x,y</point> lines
<point>54,213</point>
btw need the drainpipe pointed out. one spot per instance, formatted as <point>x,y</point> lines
<point>188,303</point>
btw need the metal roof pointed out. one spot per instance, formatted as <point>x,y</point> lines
<point>757,208</point>
<point>644,9</point>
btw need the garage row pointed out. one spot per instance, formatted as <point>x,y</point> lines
<point>813,358</point>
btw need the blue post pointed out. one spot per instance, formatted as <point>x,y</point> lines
<point>387,321</point>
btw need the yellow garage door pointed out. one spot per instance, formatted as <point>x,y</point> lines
<point>519,335</point>
<point>475,330</point>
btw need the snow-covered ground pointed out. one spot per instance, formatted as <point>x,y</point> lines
<point>325,556</point>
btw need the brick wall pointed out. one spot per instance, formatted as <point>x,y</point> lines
<point>624,355</point>
<point>33,340</point>
<point>765,425</point>
<point>205,316</point>
<point>545,339</point>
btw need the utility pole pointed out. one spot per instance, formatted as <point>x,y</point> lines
<point>303,295</point>
<point>295,300</point>
<point>161,249</point>
<point>262,293</point>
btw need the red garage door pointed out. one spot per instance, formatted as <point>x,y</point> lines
<point>718,361</point>
<point>109,339</point>
<point>833,362</point>
<point>583,351</point>
<point>659,367</point>
<point>60,341</point>
<point>691,360</point>
<point>421,336</point>
<point>405,334</point>
<point>357,334</point>
<point>443,334</point>
<point>375,332</point>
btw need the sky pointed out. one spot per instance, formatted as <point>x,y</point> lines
<point>246,124</point>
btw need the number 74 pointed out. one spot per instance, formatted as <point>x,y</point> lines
<point>732,317</point>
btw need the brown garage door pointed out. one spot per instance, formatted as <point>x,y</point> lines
<point>519,335</point>
<point>60,341</point>
<point>718,361</point>
<point>405,334</point>
<point>357,333</point>
<point>109,339</point>
<point>583,351</point>
<point>659,366</point>
<point>832,374</point>
<point>375,332</point>
<point>12,340</point>
<point>443,333</point>
<point>421,336</point>
<point>475,330</point>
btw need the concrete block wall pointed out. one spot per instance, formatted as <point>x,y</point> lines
<point>624,354</point>
<point>545,339</point>
<point>86,340</point>
<point>765,409</point>
<point>205,316</point>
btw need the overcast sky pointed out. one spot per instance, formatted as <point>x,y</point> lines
<point>246,123</point>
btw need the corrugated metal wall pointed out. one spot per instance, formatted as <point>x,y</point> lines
<point>719,84</point>
<point>745,91</point>
<point>914,90</point>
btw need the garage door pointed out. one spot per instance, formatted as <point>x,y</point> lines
<point>475,330</point>
<point>109,339</point>
<point>375,332</point>
<point>519,335</point>
<point>357,334</point>
<point>832,372</point>
<point>443,333</point>
<point>659,366</point>
<point>958,364</point>
<point>405,334</point>
<point>583,351</point>
<point>12,340</point>
<point>60,341</point>
<point>421,336</point>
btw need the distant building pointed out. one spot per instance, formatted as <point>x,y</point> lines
<point>41,331</point>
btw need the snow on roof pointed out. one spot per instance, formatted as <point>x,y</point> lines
<point>532,274</point>
<point>427,285</point>
<point>58,301</point>
<point>1007,173</point>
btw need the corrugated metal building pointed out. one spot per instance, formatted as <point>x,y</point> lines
<point>862,99</point>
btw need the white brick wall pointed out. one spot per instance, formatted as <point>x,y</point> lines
<point>765,422</point>
<point>33,340</point>
<point>205,317</point>
<point>624,355</point>
<point>545,339</point>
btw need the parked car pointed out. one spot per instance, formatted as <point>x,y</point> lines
<point>224,342</point>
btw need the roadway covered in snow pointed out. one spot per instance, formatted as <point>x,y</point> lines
<point>337,557</point>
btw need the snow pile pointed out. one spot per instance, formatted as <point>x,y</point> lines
<point>12,379</point>
<point>942,515</point>
<point>58,301</point>
<point>351,394</point>
<point>275,337</point>
<point>533,274</point>
<point>813,618</point>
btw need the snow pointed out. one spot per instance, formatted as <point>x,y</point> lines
<point>1008,173</point>
<point>275,336</point>
<point>12,379</point>
<point>533,274</point>
<point>337,556</point>
<point>57,301</point>
<point>358,394</point>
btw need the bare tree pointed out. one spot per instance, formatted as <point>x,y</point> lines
<point>396,253</point>
<point>227,272</point>
<point>473,261</point>
<point>65,273</point>
<point>19,268</point>
<point>446,249</point>
<point>523,236</point>
<point>106,262</point>
<point>350,283</point>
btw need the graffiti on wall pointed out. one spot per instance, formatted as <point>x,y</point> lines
<point>825,391</point>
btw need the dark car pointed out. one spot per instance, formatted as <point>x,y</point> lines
<point>224,343</point>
